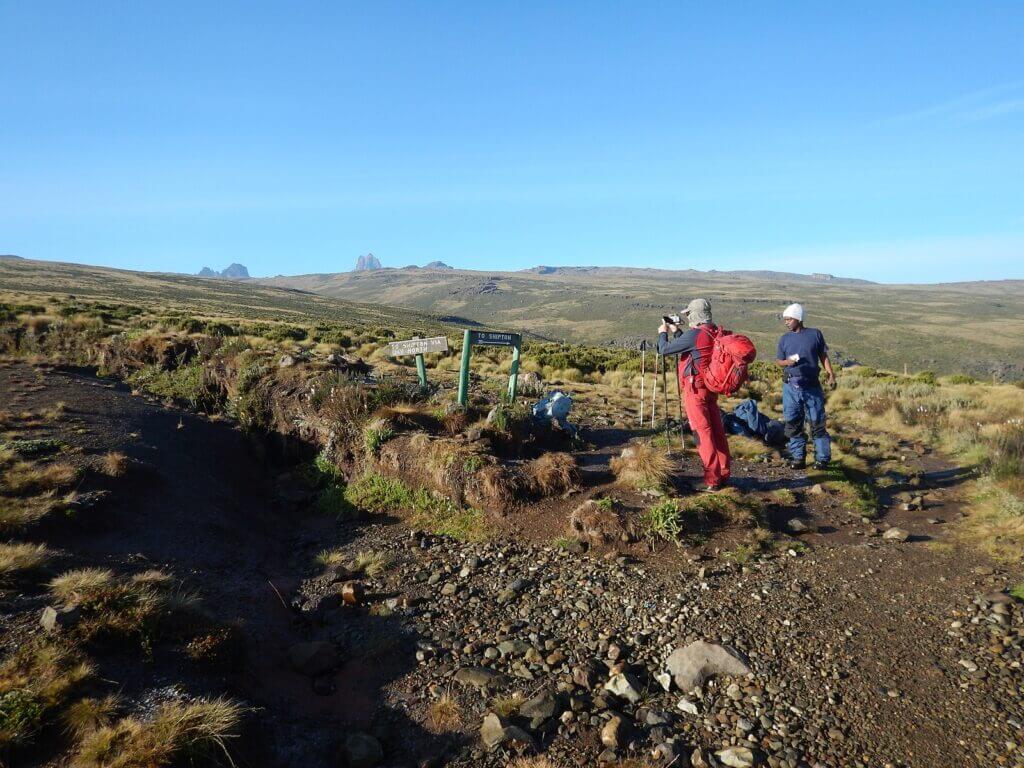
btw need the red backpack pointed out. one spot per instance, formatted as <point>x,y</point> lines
<point>726,370</point>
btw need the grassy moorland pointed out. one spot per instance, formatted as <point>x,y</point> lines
<point>278,363</point>
<point>970,328</point>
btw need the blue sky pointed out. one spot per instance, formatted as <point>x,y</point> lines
<point>877,140</point>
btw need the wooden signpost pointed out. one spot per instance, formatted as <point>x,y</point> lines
<point>419,348</point>
<point>489,339</point>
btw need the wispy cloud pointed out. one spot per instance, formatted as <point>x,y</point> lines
<point>977,106</point>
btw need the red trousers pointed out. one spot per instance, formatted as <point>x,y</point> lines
<point>701,406</point>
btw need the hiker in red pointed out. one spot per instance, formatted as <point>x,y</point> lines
<point>694,348</point>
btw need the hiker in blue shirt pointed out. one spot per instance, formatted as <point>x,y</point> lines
<point>799,354</point>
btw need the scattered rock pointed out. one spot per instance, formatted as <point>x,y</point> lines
<point>495,731</point>
<point>736,757</point>
<point>477,677</point>
<point>625,686</point>
<point>352,592</point>
<point>796,525</point>
<point>613,734</point>
<point>59,619</point>
<point>896,534</point>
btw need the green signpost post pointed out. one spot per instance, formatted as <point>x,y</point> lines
<point>489,339</point>
<point>418,347</point>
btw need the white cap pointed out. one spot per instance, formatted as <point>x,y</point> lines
<point>795,311</point>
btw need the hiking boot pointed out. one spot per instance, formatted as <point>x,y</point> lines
<point>712,488</point>
<point>821,465</point>
<point>797,464</point>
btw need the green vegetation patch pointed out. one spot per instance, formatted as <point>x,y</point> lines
<point>379,494</point>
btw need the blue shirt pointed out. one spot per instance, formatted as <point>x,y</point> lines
<point>810,345</point>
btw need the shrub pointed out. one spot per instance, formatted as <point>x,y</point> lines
<point>34,681</point>
<point>961,378</point>
<point>1006,459</point>
<point>187,384</point>
<point>664,521</point>
<point>375,434</point>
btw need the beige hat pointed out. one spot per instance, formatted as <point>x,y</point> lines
<point>698,312</point>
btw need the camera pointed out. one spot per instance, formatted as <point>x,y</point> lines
<point>672,319</point>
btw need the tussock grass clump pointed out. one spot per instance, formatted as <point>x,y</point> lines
<point>36,680</point>
<point>552,473</point>
<point>196,732</point>
<point>19,559</point>
<point>22,512</point>
<point>372,563</point>
<point>641,466</point>
<point>24,478</point>
<point>114,464</point>
<point>331,558</point>
<point>444,715</point>
<point>90,714</point>
<point>113,606</point>
<point>535,762</point>
<point>728,506</point>
<point>507,706</point>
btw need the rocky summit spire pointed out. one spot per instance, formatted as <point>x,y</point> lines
<point>369,261</point>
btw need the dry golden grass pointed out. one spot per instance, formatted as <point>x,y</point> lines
<point>506,706</point>
<point>114,606</point>
<point>72,586</point>
<point>533,762</point>
<point>741,447</point>
<point>642,465</point>
<point>18,559</point>
<point>331,558</point>
<point>551,474</point>
<point>34,681</point>
<point>372,563</point>
<point>444,715</point>
<point>197,731</point>
<point>496,486</point>
<point>995,521</point>
<point>26,477</point>
<point>21,512</point>
<point>90,714</point>
<point>114,464</point>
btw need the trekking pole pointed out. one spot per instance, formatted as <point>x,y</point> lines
<point>643,375</point>
<point>679,403</point>
<point>664,392</point>
<point>654,393</point>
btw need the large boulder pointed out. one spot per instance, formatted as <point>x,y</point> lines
<point>691,665</point>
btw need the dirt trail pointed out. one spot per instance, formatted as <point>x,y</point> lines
<point>200,503</point>
<point>868,651</point>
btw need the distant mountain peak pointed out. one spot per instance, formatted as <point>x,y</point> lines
<point>231,272</point>
<point>367,262</point>
<point>437,265</point>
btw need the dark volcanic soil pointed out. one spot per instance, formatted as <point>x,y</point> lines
<point>863,651</point>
